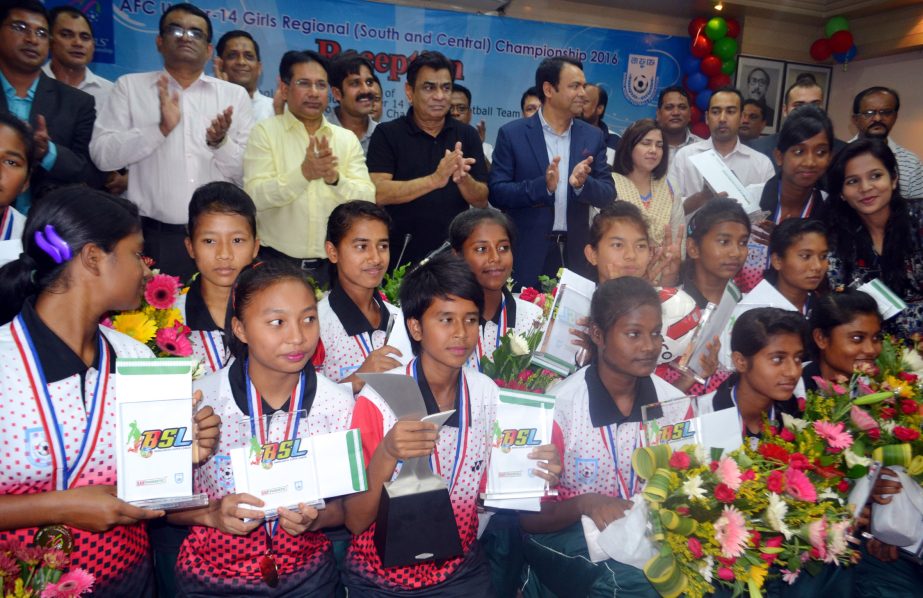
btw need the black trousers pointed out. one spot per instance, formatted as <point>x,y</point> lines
<point>316,268</point>
<point>165,244</point>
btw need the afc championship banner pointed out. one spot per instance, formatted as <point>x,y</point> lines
<point>495,57</point>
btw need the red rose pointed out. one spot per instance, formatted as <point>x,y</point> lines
<point>774,452</point>
<point>908,377</point>
<point>786,435</point>
<point>774,542</point>
<point>827,472</point>
<point>528,294</point>
<point>802,404</point>
<point>680,460</point>
<point>769,558</point>
<point>799,461</point>
<point>725,574</point>
<point>906,434</point>
<point>874,433</point>
<point>317,360</point>
<point>909,407</point>
<point>755,537</point>
<point>713,465</point>
<point>842,487</point>
<point>772,429</point>
<point>726,561</point>
<point>724,494</point>
<point>683,510</point>
<point>776,482</point>
<point>554,292</point>
<point>887,413</point>
<point>747,475</point>
<point>695,547</point>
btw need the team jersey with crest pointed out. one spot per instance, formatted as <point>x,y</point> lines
<point>206,336</point>
<point>460,458</point>
<point>348,337</point>
<point>598,440</point>
<point>212,563</point>
<point>513,314</point>
<point>57,431</point>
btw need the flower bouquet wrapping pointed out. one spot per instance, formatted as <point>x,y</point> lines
<point>543,298</point>
<point>509,365</point>
<point>34,571</point>
<point>158,323</point>
<point>732,521</point>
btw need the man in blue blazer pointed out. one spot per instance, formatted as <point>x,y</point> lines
<point>547,171</point>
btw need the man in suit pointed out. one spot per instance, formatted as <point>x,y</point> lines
<point>61,117</point>
<point>529,179</point>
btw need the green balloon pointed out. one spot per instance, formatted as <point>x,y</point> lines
<point>716,28</point>
<point>837,23</point>
<point>725,48</point>
<point>728,67</point>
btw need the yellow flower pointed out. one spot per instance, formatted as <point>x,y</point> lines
<point>168,317</point>
<point>758,575</point>
<point>135,324</point>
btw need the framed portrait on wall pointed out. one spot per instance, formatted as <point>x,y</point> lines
<point>762,79</point>
<point>822,75</point>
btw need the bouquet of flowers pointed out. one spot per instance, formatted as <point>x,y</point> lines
<point>726,520</point>
<point>509,366</point>
<point>543,298</point>
<point>33,571</point>
<point>157,323</point>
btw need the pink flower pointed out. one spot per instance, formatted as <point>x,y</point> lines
<point>724,494</point>
<point>838,389</point>
<point>836,436</point>
<point>107,322</point>
<point>725,574</point>
<point>9,567</point>
<point>174,341</point>
<point>731,532</point>
<point>161,291</point>
<point>905,434</point>
<point>790,577</point>
<point>861,419</point>
<point>695,547</point>
<point>748,475</point>
<point>799,461</point>
<point>680,460</point>
<point>683,510</point>
<point>776,482</point>
<point>821,383</point>
<point>799,486</point>
<point>817,536</point>
<point>802,404</point>
<point>524,376</point>
<point>786,435</point>
<point>728,473</point>
<point>72,584</point>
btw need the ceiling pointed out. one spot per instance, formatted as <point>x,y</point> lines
<point>800,9</point>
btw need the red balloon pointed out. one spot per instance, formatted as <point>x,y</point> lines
<point>821,50</point>
<point>697,26</point>
<point>841,41</point>
<point>719,81</point>
<point>711,66</point>
<point>695,115</point>
<point>701,129</point>
<point>701,46</point>
<point>733,28</point>
<point>692,96</point>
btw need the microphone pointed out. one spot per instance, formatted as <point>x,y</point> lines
<point>407,238</point>
<point>445,245</point>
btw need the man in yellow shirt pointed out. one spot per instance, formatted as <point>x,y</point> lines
<point>298,167</point>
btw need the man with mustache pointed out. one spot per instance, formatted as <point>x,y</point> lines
<point>237,59</point>
<point>723,119</point>
<point>874,114</point>
<point>752,121</point>
<point>353,88</point>
<point>673,116</point>
<point>61,116</point>
<point>298,167</point>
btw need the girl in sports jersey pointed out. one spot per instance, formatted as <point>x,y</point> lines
<point>716,247</point>
<point>483,237</point>
<point>846,330</point>
<point>222,240</point>
<point>229,552</point>
<point>81,259</point>
<point>442,302</point>
<point>798,261</point>
<point>598,412</point>
<point>360,331</point>
<point>802,155</point>
<point>17,150</point>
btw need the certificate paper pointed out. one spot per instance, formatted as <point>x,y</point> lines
<point>555,351</point>
<point>523,422</point>
<point>678,422</point>
<point>154,433</point>
<point>720,178</point>
<point>299,470</point>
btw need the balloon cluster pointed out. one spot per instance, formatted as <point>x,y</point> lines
<point>838,43</point>
<point>713,61</point>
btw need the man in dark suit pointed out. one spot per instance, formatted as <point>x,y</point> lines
<point>529,178</point>
<point>61,117</point>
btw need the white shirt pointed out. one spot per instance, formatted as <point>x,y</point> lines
<point>92,83</point>
<point>165,171</point>
<point>333,119</point>
<point>558,144</point>
<point>750,166</point>
<point>262,107</point>
<point>690,139</point>
<point>910,181</point>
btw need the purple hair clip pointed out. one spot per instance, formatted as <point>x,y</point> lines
<point>53,245</point>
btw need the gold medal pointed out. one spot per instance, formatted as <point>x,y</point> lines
<point>55,536</point>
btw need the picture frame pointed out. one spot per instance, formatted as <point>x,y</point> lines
<point>823,74</point>
<point>762,79</point>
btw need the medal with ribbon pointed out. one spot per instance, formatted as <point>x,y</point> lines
<point>215,352</point>
<point>624,487</point>
<point>6,224</point>
<point>260,432</point>
<point>502,327</point>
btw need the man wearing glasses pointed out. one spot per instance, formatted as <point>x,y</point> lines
<point>874,114</point>
<point>298,167</point>
<point>176,130</point>
<point>61,117</point>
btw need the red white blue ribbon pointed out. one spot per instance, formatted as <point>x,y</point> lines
<point>6,224</point>
<point>610,439</point>
<point>214,356</point>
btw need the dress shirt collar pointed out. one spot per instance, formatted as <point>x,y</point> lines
<point>604,411</point>
<point>448,124</point>
<point>547,128</point>
<point>90,79</point>
<point>351,317</point>
<point>10,92</point>
<point>291,122</point>
<point>739,148</point>
<point>238,381</point>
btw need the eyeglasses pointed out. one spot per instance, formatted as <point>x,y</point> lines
<point>305,84</point>
<point>459,108</point>
<point>870,114</point>
<point>24,30</point>
<point>180,32</point>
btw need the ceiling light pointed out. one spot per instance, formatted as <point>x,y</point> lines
<point>719,5</point>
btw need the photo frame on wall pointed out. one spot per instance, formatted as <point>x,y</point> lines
<point>762,79</point>
<point>822,75</point>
